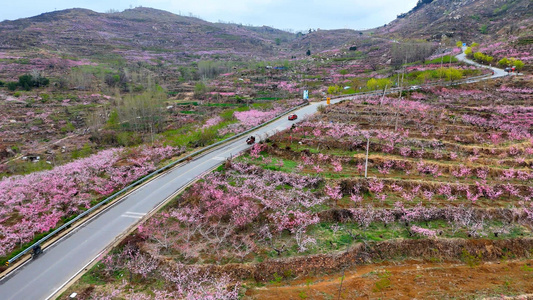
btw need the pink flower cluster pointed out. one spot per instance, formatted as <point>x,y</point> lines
<point>424,232</point>
<point>224,204</point>
<point>212,122</point>
<point>37,202</point>
<point>250,118</point>
<point>505,89</point>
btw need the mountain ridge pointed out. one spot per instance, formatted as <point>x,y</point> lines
<point>87,33</point>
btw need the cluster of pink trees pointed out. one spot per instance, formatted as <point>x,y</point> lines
<point>180,281</point>
<point>456,192</point>
<point>515,132</point>
<point>225,210</point>
<point>500,50</point>
<point>316,162</point>
<point>37,202</point>
<point>253,117</point>
<point>506,89</point>
<point>212,122</point>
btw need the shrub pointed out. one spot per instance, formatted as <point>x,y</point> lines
<point>127,138</point>
<point>480,57</point>
<point>68,128</point>
<point>334,90</point>
<point>106,137</point>
<point>200,89</point>
<point>381,83</point>
<point>470,259</point>
<point>45,98</point>
<point>12,86</point>
<point>27,82</point>
<point>453,74</point>
<point>484,29</point>
<point>113,122</point>
<point>518,64</point>
<point>207,136</point>
<point>507,62</point>
<point>504,62</point>
<point>112,80</point>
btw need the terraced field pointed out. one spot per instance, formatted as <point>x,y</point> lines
<point>446,193</point>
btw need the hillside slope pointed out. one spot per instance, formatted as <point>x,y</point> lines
<point>145,33</point>
<point>82,32</point>
<point>466,20</point>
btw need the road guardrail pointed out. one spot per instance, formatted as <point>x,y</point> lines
<point>142,180</point>
<point>394,90</point>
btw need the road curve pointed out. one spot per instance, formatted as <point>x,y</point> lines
<point>41,278</point>
<point>497,71</point>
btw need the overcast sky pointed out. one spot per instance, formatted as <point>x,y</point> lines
<point>295,14</point>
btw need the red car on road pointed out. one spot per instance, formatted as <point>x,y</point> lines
<point>293,117</point>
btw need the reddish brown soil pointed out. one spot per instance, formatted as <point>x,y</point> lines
<point>409,280</point>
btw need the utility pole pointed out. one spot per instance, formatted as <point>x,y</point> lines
<point>366,162</point>
<point>383,96</point>
<point>441,61</point>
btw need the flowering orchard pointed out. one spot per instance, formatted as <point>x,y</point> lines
<point>38,202</point>
<point>250,118</point>
<point>444,165</point>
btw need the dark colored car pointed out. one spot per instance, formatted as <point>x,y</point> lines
<point>293,117</point>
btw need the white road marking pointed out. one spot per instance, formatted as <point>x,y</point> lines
<point>131,214</point>
<point>135,213</point>
<point>218,158</point>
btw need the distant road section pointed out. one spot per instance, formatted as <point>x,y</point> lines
<point>497,71</point>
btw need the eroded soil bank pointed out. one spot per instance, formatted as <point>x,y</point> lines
<point>409,279</point>
<point>471,252</point>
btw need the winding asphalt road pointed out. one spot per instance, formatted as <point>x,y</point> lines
<point>41,278</point>
<point>497,72</point>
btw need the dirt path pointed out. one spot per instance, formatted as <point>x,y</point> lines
<point>409,280</point>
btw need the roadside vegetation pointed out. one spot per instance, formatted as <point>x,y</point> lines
<point>448,180</point>
<point>446,166</point>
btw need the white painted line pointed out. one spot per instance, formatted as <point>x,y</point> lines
<point>134,217</point>
<point>131,214</point>
<point>135,213</point>
<point>218,158</point>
